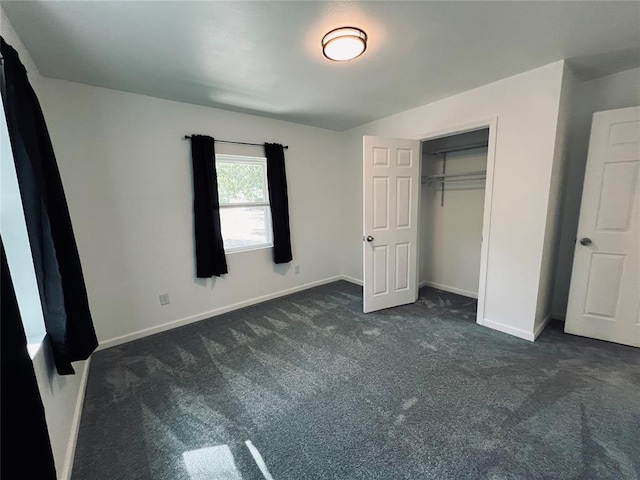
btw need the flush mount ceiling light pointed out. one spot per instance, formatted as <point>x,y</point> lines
<point>344,43</point>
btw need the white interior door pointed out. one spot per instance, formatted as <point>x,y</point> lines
<point>604,298</point>
<point>391,187</point>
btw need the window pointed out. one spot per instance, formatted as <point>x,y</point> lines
<point>16,244</point>
<point>245,215</point>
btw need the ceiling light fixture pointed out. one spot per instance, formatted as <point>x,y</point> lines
<point>344,43</point>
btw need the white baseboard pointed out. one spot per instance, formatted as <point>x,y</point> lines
<point>540,327</point>
<point>75,424</point>
<point>516,332</point>
<point>352,280</point>
<point>447,288</point>
<point>112,342</point>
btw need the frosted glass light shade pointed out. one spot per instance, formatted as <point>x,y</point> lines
<point>343,44</point>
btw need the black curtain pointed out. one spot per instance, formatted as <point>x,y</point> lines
<point>279,201</point>
<point>26,451</point>
<point>53,247</point>
<point>210,258</point>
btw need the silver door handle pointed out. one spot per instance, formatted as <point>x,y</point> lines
<point>369,238</point>
<point>585,241</point>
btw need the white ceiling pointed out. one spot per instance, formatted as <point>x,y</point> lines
<point>264,57</point>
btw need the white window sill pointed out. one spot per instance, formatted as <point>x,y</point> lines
<point>34,347</point>
<point>250,248</point>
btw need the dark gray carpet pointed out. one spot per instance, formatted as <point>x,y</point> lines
<point>326,392</point>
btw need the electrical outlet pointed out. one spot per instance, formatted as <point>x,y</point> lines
<point>164,299</point>
<point>297,269</point>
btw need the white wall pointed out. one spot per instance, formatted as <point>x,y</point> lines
<point>607,93</point>
<point>551,249</point>
<point>61,396</point>
<point>527,109</point>
<point>126,170</point>
<point>451,234</point>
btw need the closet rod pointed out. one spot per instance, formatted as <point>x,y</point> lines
<point>461,149</point>
<point>186,137</point>
<point>454,180</point>
<point>449,175</point>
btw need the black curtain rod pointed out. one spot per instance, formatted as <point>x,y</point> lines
<point>186,137</point>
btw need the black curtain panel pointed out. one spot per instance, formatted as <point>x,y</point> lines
<point>55,256</point>
<point>279,201</point>
<point>26,450</point>
<point>210,258</point>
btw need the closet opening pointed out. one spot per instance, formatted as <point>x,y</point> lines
<point>452,210</point>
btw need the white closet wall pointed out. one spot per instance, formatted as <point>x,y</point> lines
<point>451,234</point>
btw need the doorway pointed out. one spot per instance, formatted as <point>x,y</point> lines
<point>451,211</point>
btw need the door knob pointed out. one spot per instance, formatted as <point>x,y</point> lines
<point>369,238</point>
<point>585,241</point>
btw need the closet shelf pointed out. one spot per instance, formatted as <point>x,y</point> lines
<point>455,177</point>
<point>465,179</point>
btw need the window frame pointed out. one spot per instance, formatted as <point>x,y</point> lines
<point>247,160</point>
<point>15,238</point>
